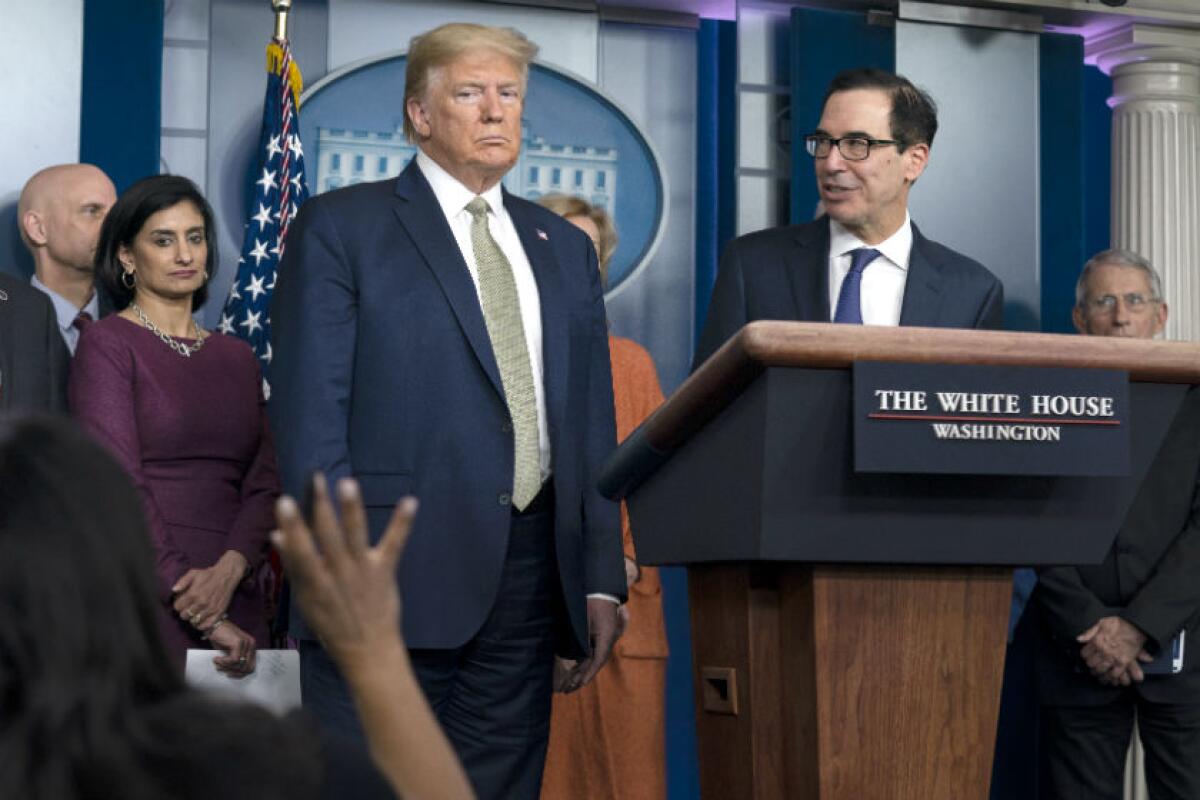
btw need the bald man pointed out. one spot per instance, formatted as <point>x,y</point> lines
<point>59,214</point>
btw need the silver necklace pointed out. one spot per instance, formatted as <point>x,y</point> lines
<point>184,350</point>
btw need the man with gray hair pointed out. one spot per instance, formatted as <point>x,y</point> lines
<point>1119,294</point>
<point>1117,642</point>
<point>436,336</point>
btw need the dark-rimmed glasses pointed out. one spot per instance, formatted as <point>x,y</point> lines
<point>852,148</point>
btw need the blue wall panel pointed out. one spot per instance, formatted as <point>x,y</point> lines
<point>1097,161</point>
<point>1061,100</point>
<point>716,153</point>
<point>120,124</point>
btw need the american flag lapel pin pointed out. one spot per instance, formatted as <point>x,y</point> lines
<point>542,235</point>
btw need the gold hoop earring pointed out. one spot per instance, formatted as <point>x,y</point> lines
<point>128,279</point>
<point>206,276</point>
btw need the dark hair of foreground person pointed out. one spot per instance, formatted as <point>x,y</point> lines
<point>90,707</point>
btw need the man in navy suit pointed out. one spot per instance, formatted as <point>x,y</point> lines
<point>864,261</point>
<point>437,336</point>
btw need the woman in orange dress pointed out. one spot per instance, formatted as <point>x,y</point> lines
<point>607,740</point>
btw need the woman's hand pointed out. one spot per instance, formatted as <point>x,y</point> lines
<point>347,591</point>
<point>240,652</point>
<point>203,595</point>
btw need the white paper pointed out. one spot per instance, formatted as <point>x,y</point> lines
<point>274,684</point>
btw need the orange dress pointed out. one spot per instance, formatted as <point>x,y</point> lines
<point>607,740</point>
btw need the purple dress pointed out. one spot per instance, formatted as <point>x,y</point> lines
<point>192,434</point>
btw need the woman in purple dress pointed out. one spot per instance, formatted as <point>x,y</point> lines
<point>182,410</point>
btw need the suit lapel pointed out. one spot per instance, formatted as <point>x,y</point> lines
<point>808,271</point>
<point>923,287</point>
<point>551,297</point>
<point>418,211</point>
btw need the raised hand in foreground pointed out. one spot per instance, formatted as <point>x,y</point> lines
<point>348,595</point>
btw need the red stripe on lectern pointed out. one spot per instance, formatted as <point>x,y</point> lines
<point>933,418</point>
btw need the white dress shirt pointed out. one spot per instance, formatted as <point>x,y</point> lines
<point>883,279</point>
<point>66,312</point>
<point>453,197</point>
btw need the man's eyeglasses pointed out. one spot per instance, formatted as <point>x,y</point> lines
<point>852,148</point>
<point>1135,302</point>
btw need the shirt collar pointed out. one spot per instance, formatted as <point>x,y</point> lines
<point>451,195</point>
<point>64,309</point>
<point>896,248</point>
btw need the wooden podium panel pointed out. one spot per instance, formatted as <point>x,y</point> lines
<point>848,629</point>
<point>851,682</point>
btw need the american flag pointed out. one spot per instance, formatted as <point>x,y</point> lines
<point>278,193</point>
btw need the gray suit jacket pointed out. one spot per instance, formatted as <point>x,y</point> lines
<point>33,358</point>
<point>783,274</point>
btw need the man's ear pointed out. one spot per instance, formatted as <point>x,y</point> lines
<point>1077,318</point>
<point>125,257</point>
<point>418,117</point>
<point>1161,314</point>
<point>33,226</point>
<point>916,156</point>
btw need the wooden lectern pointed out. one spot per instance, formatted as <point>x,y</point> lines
<point>848,629</point>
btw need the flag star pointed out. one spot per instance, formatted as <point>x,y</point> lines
<point>267,355</point>
<point>278,248</point>
<point>294,211</point>
<point>251,323</point>
<point>266,390</point>
<point>271,286</point>
<point>234,294</point>
<point>294,145</point>
<point>295,181</point>
<point>263,217</point>
<point>259,252</point>
<point>273,148</point>
<point>226,325</point>
<point>255,287</point>
<point>267,181</point>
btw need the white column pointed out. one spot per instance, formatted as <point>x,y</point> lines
<point>1156,157</point>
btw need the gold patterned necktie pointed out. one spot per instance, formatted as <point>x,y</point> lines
<point>502,315</point>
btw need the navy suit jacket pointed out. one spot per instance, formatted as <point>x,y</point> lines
<point>783,274</point>
<point>33,357</point>
<point>383,370</point>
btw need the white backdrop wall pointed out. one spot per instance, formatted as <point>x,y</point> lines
<point>41,58</point>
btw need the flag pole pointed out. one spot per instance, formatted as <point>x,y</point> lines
<point>281,9</point>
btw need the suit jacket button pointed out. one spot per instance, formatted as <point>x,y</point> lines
<point>505,499</point>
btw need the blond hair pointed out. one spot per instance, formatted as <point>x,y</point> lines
<point>568,206</point>
<point>430,51</point>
